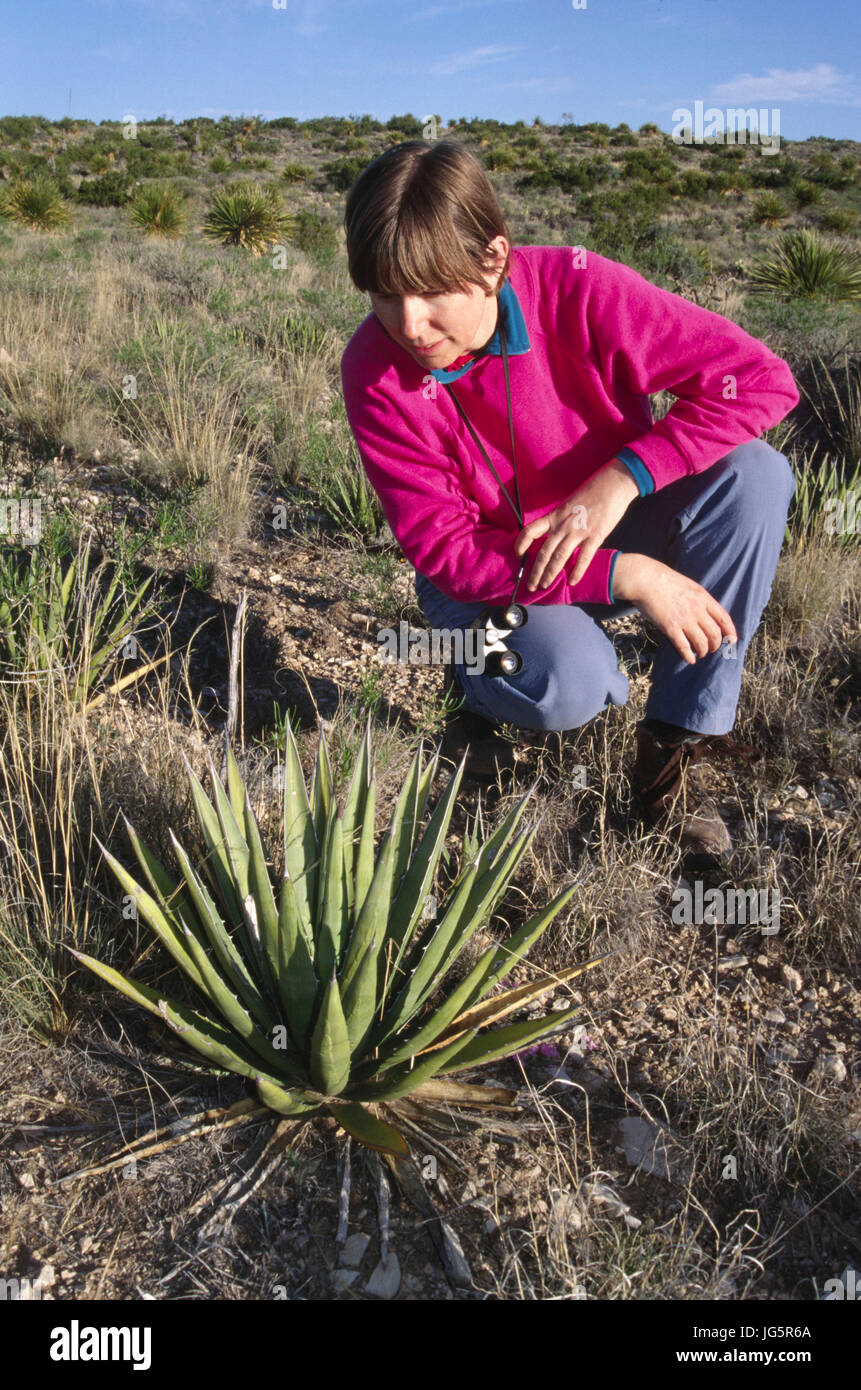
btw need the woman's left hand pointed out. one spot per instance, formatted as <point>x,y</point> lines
<point>583,520</point>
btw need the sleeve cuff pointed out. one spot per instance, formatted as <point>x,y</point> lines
<point>610,576</point>
<point>640,473</point>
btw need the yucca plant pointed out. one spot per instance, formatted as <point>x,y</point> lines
<point>157,209</point>
<point>804,264</point>
<point>38,203</point>
<point>330,991</point>
<point>246,214</point>
<point>68,621</point>
<point>825,499</point>
<point>768,210</point>
<point>343,489</point>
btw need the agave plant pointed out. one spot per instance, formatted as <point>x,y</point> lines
<point>38,203</point>
<point>246,214</point>
<point>804,264</point>
<point>158,210</point>
<point>329,990</point>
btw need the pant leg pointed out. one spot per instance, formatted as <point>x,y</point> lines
<point>569,674</point>
<point>724,528</point>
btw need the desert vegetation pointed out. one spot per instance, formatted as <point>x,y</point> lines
<point>200,601</point>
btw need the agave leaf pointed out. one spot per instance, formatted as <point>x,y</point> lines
<point>455,930</point>
<point>360,997</point>
<point>66,584</point>
<point>118,632</point>
<point>203,1034</point>
<point>332,909</point>
<point>402,1080</point>
<point>217,851</point>
<point>165,928</point>
<point>322,789</point>
<point>503,833</point>
<point>471,905</point>
<point>372,919</point>
<point>172,898</point>
<point>365,852</point>
<point>426,781</point>
<point>239,859</point>
<point>298,979</point>
<point>407,1001</point>
<point>459,1093</point>
<point>238,853</point>
<point>286,1101</point>
<point>236,789</point>
<point>492,1010</point>
<point>501,1042</point>
<point>420,1039</point>
<point>406,811</point>
<point>237,1018</point>
<point>369,1130</point>
<point>263,897</point>
<point>417,882</point>
<point>330,1044</point>
<point>300,841</point>
<point>510,951</point>
<point>230,960</point>
<point>355,807</point>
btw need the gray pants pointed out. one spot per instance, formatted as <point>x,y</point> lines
<point>724,528</point>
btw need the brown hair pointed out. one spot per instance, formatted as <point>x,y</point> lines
<point>419,220</point>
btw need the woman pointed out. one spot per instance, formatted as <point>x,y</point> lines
<point>499,401</point>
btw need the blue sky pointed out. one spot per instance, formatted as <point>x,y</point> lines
<point>609,60</point>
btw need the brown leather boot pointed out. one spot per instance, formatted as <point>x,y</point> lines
<point>489,753</point>
<point>670,792</point>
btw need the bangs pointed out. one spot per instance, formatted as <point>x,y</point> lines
<point>418,255</point>
<point>419,220</point>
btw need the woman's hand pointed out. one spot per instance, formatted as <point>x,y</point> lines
<point>683,610</point>
<point>584,519</point>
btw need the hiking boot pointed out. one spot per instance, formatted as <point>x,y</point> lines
<point>670,791</point>
<point>489,753</point>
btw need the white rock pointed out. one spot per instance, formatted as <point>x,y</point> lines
<point>791,977</point>
<point>651,1149</point>
<point>386,1278</point>
<point>605,1196</point>
<point>354,1248</point>
<point>831,1067</point>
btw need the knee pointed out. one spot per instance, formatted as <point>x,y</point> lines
<point>765,478</point>
<point>550,700</point>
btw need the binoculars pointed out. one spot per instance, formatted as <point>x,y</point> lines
<point>497,624</point>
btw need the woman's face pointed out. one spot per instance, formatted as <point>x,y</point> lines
<point>437,328</point>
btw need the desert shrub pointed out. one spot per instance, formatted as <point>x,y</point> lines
<point>112,190</point>
<point>804,264</point>
<point>37,203</point>
<point>158,210</point>
<point>342,173</point>
<point>316,236</point>
<point>768,210</point>
<point>249,215</point>
<point>296,173</point>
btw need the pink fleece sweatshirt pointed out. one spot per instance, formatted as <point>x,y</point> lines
<point>600,338</point>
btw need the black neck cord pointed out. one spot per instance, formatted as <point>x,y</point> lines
<point>514,505</point>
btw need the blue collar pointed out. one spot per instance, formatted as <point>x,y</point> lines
<point>516,336</point>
